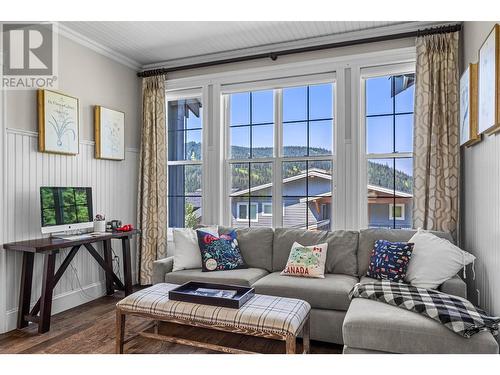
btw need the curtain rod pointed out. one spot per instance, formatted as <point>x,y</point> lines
<point>274,55</point>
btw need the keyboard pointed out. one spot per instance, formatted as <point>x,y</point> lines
<point>77,237</point>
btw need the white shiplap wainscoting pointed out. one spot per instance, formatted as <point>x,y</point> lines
<point>481,220</point>
<point>114,188</point>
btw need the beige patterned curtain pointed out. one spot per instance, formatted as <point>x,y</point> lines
<point>152,200</point>
<point>436,140</point>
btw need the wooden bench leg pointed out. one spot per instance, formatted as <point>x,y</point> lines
<point>306,341</point>
<point>120,331</point>
<point>291,344</point>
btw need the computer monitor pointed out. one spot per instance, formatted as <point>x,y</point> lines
<point>65,208</point>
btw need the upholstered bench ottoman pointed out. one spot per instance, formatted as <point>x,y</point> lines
<point>263,316</point>
<point>376,327</point>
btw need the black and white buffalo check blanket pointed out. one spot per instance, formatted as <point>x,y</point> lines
<point>455,313</point>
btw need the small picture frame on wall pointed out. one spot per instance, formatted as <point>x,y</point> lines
<point>58,123</point>
<point>468,107</point>
<point>489,83</point>
<point>109,128</point>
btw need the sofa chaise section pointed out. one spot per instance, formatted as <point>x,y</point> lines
<point>390,329</point>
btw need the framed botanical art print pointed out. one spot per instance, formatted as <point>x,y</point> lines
<point>58,123</point>
<point>489,83</point>
<point>468,107</point>
<point>109,133</point>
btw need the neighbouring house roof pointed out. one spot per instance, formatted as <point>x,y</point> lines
<point>321,173</point>
<point>397,193</point>
<point>316,172</point>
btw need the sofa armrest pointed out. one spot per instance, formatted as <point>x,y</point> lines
<point>162,267</point>
<point>454,286</point>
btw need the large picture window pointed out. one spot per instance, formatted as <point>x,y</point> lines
<point>185,126</point>
<point>281,140</point>
<point>389,147</point>
<point>319,145</point>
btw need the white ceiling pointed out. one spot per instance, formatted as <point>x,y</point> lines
<point>172,43</point>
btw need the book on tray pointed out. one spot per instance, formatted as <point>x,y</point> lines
<point>207,292</point>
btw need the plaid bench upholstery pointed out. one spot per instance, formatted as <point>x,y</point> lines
<point>282,316</point>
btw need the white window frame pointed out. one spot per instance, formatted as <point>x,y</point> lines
<point>264,205</point>
<point>391,211</point>
<point>349,201</point>
<point>247,205</point>
<point>363,157</point>
<point>182,95</point>
<point>277,85</point>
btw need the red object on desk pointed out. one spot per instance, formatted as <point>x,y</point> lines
<point>125,228</point>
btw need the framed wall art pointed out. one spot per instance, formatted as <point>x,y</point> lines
<point>58,123</point>
<point>468,106</point>
<point>109,128</point>
<point>489,83</point>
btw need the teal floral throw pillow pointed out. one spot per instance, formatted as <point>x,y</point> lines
<point>219,253</point>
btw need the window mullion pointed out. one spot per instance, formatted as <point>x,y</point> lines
<point>277,218</point>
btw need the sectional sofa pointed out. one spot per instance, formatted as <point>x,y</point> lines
<point>362,326</point>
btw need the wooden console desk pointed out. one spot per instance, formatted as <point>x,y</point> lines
<point>49,247</point>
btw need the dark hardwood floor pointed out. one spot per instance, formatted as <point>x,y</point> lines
<point>90,329</point>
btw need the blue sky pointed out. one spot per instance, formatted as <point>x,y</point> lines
<point>381,137</point>
<point>295,116</point>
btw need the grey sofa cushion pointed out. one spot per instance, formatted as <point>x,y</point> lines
<point>454,286</point>
<point>378,326</point>
<point>244,277</point>
<point>341,254</point>
<point>367,238</point>
<point>256,245</point>
<point>332,292</point>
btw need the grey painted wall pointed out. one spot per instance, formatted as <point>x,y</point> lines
<point>92,78</point>
<point>480,204</point>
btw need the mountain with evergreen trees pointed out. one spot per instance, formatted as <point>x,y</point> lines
<point>261,173</point>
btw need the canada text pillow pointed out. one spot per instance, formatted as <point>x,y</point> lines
<point>306,261</point>
<point>219,253</point>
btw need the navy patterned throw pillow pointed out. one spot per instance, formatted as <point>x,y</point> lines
<point>219,253</point>
<point>389,260</point>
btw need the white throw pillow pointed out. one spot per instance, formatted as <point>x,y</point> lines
<point>306,261</point>
<point>186,251</point>
<point>434,260</point>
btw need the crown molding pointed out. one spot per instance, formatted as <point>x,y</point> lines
<point>369,33</point>
<point>96,47</point>
<point>133,64</point>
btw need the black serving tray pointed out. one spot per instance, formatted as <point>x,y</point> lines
<point>181,293</point>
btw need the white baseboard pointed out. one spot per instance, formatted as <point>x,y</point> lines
<point>64,301</point>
